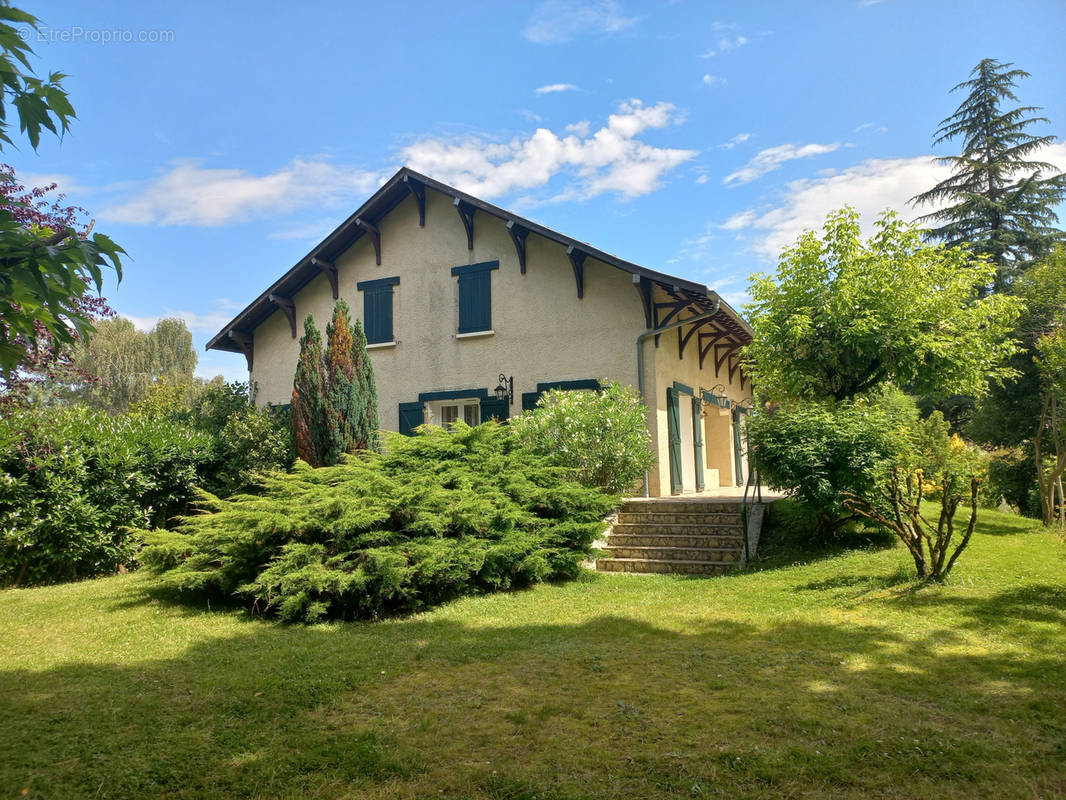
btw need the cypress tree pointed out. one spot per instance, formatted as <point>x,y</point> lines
<point>366,428</point>
<point>310,401</point>
<point>1001,205</point>
<point>346,398</point>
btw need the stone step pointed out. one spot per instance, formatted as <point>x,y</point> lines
<point>663,567</point>
<point>676,554</point>
<point>669,529</point>
<point>664,518</point>
<point>616,539</point>
<point>682,506</point>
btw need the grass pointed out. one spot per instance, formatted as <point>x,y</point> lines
<point>820,672</point>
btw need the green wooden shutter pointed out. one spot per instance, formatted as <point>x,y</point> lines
<point>377,309</point>
<point>491,407</point>
<point>673,432</point>
<point>697,441</point>
<point>475,302</point>
<point>411,416</point>
<point>530,400</point>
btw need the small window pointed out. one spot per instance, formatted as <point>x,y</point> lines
<point>471,415</point>
<point>475,296</point>
<point>448,414</point>
<point>377,309</point>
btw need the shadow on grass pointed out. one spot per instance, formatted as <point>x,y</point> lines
<point>789,539</point>
<point>610,707</point>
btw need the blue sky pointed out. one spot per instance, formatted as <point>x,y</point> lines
<point>219,142</point>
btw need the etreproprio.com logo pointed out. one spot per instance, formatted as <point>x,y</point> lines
<point>77,33</point>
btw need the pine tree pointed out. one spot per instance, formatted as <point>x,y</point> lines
<point>366,429</point>
<point>310,400</point>
<point>1001,203</point>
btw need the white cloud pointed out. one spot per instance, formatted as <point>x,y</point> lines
<point>869,187</point>
<point>725,44</point>
<point>552,88</point>
<point>556,21</point>
<point>197,322</point>
<point>740,138</point>
<point>191,194</point>
<point>867,126</point>
<point>770,159</point>
<point>713,80</point>
<point>610,159</point>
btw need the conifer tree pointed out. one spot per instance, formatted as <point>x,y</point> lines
<point>366,428</point>
<point>1000,203</point>
<point>347,401</point>
<point>310,413</point>
<point>334,396</point>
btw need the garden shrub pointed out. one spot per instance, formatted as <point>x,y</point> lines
<point>245,439</point>
<point>437,515</point>
<point>825,450</point>
<point>1012,479</point>
<point>602,435</point>
<point>75,481</point>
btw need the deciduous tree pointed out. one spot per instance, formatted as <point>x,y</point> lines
<point>844,315</point>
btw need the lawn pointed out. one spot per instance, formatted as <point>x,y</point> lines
<point>818,673</point>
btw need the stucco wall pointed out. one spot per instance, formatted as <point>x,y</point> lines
<point>543,332</point>
<point>662,368</point>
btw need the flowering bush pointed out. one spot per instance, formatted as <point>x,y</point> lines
<point>932,466</point>
<point>602,435</point>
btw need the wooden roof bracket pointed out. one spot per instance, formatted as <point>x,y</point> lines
<point>518,236</point>
<point>577,261</point>
<point>331,274</point>
<point>244,341</point>
<point>711,339</point>
<point>643,287</point>
<point>287,307</point>
<point>375,235</point>
<point>466,214</point>
<point>418,191</point>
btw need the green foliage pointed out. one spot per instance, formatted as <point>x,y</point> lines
<point>843,316</point>
<point>438,515</point>
<point>602,435</point>
<point>310,406</point>
<point>246,440</point>
<point>935,465</point>
<point>124,363</point>
<point>1012,479</point>
<point>334,396</point>
<point>365,430</point>
<point>75,482</point>
<point>1000,203</point>
<point>826,451</point>
<point>46,273</point>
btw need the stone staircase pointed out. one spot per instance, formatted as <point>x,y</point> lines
<point>689,536</point>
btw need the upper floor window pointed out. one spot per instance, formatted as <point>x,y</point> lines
<point>377,309</point>
<point>475,296</point>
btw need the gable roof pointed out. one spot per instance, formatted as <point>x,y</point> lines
<point>405,182</point>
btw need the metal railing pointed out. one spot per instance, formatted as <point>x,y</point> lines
<point>752,495</point>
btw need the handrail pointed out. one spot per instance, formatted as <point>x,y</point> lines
<point>754,485</point>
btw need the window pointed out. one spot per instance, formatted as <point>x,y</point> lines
<point>475,296</point>
<point>448,412</point>
<point>377,309</point>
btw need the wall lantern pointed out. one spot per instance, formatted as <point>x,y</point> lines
<point>717,393</point>
<point>505,389</point>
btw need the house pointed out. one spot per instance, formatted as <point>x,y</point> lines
<point>460,298</point>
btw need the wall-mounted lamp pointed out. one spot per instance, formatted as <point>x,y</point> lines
<point>717,391</point>
<point>505,389</point>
